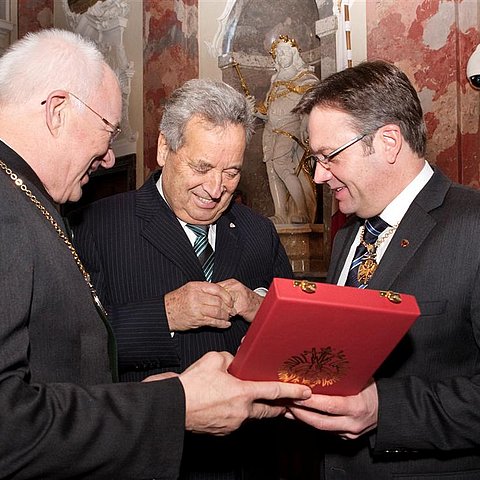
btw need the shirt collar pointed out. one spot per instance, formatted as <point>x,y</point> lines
<point>396,209</point>
<point>160,191</point>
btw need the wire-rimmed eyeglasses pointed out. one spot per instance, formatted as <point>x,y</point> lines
<point>324,160</point>
<point>115,130</point>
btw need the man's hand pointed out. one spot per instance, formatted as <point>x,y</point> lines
<point>198,304</point>
<point>349,417</point>
<point>218,403</point>
<point>245,301</point>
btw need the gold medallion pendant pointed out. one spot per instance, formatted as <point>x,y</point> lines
<point>366,270</point>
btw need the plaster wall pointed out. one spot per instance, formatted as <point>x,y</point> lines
<point>133,42</point>
<point>430,39</point>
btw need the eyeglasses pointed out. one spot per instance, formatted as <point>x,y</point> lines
<point>114,133</point>
<point>324,160</point>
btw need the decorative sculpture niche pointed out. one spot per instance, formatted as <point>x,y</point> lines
<point>285,144</point>
<point>245,34</point>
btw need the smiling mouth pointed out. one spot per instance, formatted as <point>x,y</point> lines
<point>206,201</point>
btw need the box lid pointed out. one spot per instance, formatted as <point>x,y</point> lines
<point>330,337</point>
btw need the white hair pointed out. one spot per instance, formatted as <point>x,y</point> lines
<point>47,60</point>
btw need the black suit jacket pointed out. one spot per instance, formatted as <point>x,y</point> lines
<point>60,416</point>
<point>137,251</point>
<point>429,387</point>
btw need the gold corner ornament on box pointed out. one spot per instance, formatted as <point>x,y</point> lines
<point>394,297</point>
<point>305,286</point>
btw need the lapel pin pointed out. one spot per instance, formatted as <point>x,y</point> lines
<point>404,243</point>
<point>232,225</point>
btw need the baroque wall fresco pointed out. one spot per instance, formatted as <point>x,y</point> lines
<point>431,40</point>
<point>34,15</point>
<point>170,58</point>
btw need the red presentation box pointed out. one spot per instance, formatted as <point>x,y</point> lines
<point>329,337</point>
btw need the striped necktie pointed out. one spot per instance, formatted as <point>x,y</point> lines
<point>203,249</point>
<point>364,259</point>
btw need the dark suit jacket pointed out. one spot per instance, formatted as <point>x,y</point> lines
<point>137,251</point>
<point>60,416</point>
<point>429,387</point>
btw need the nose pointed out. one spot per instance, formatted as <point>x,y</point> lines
<point>214,184</point>
<point>322,175</point>
<point>108,160</point>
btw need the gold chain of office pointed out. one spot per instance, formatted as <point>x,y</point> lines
<point>367,268</point>
<point>63,236</point>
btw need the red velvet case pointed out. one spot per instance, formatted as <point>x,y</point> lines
<point>329,337</point>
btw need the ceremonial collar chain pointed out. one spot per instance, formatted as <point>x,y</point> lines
<point>381,238</point>
<point>63,236</point>
<point>369,263</point>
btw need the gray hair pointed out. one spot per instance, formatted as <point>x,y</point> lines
<point>47,60</point>
<point>215,102</point>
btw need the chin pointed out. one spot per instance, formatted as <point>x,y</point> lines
<point>345,209</point>
<point>75,196</point>
<point>204,216</point>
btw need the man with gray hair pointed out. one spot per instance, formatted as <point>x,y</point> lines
<point>181,268</point>
<point>61,416</point>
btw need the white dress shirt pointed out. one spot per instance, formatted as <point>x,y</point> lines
<point>392,214</point>
<point>212,231</point>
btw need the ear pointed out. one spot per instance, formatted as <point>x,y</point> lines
<point>390,141</point>
<point>55,105</point>
<point>162,150</point>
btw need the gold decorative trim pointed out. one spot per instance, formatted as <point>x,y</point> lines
<point>393,297</point>
<point>305,286</point>
<point>323,366</point>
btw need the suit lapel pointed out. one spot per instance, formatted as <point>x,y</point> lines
<point>163,231</point>
<point>228,249</point>
<point>409,237</point>
<point>412,232</point>
<point>341,247</point>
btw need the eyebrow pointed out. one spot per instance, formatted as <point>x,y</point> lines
<point>206,164</point>
<point>199,163</point>
<point>320,149</point>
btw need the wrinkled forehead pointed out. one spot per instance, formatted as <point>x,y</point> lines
<point>199,128</point>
